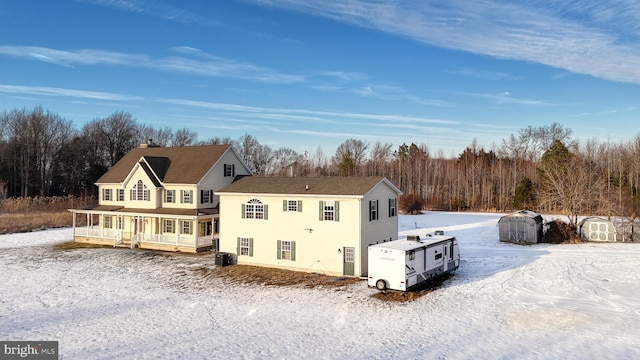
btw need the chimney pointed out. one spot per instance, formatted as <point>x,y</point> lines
<point>149,144</point>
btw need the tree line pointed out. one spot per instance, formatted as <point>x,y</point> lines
<point>539,168</point>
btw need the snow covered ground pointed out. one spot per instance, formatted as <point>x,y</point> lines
<point>505,302</point>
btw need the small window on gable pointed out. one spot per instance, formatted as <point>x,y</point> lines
<point>229,170</point>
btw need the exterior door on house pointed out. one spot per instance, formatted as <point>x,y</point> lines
<point>138,228</point>
<point>348,261</point>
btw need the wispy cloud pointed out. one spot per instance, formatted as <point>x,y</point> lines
<point>505,98</point>
<point>600,39</point>
<point>608,112</point>
<point>71,58</point>
<point>487,75</point>
<point>73,93</point>
<point>154,8</point>
<point>199,62</point>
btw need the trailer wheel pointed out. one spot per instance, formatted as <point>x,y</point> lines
<point>381,285</point>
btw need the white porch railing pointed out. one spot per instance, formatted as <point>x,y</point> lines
<point>120,237</point>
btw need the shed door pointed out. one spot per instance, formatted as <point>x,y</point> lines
<point>348,266</point>
<point>517,229</point>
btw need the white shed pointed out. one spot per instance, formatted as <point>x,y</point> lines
<point>597,229</point>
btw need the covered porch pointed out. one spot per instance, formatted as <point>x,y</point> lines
<point>160,229</point>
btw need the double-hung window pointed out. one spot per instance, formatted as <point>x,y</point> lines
<point>373,210</point>
<point>108,222</point>
<point>186,196</point>
<point>120,194</point>
<point>106,194</point>
<point>292,205</point>
<point>245,246</point>
<point>168,226</point>
<point>229,170</point>
<point>286,250</point>
<point>329,210</point>
<point>206,196</point>
<point>393,206</point>
<point>169,196</point>
<point>185,227</point>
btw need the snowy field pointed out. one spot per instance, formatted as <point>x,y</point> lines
<point>505,302</point>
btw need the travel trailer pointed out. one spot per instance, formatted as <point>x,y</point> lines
<point>407,264</point>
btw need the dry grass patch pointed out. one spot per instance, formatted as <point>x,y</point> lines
<point>16,223</point>
<point>71,245</point>
<point>247,274</point>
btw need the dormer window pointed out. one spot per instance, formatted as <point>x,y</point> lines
<point>140,192</point>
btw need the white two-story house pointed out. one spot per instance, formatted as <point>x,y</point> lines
<point>161,198</point>
<point>314,224</point>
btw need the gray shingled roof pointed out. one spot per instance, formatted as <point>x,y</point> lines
<point>172,165</point>
<point>352,186</point>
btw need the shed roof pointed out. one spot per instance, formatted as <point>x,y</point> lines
<point>177,165</point>
<point>343,186</point>
<point>522,213</point>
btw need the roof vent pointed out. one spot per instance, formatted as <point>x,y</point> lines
<point>306,187</point>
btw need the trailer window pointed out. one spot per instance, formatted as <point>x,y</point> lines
<point>438,256</point>
<point>412,255</point>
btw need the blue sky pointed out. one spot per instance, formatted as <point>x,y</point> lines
<point>303,74</point>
